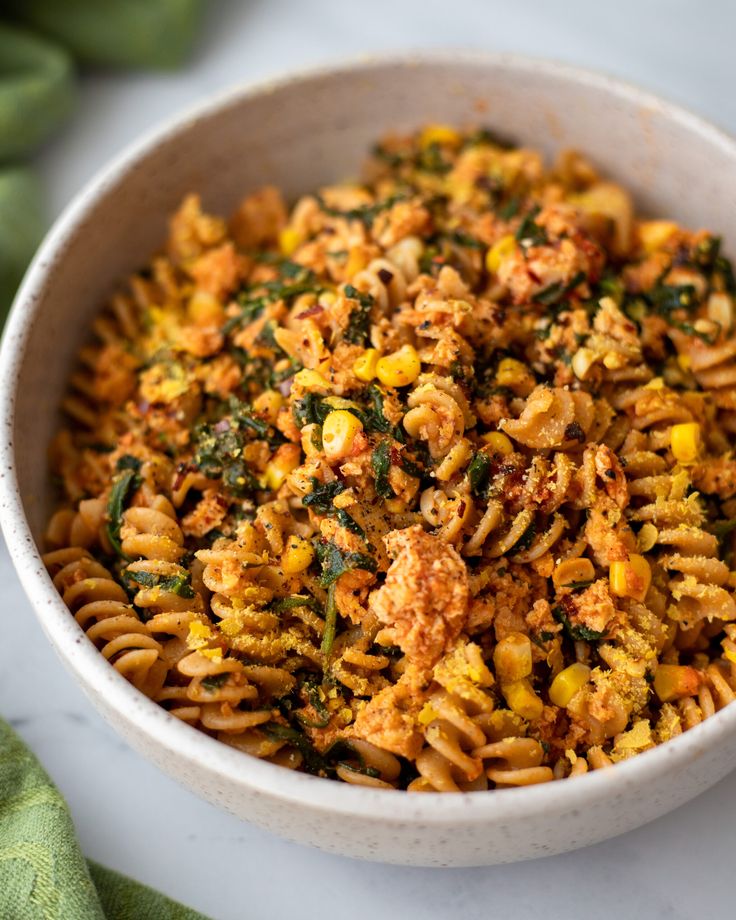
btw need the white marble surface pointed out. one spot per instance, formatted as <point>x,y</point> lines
<point>133,818</point>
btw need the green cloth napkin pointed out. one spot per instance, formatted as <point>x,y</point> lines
<point>39,42</point>
<point>43,875</point>
<point>21,227</point>
<point>118,33</point>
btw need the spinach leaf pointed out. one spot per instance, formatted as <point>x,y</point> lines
<point>214,682</point>
<point>179,584</point>
<point>510,208</point>
<point>610,286</point>
<point>328,636</point>
<point>375,420</point>
<point>360,317</point>
<point>323,713</point>
<point>529,232</point>
<point>242,416</point>
<point>381,464</point>
<point>710,338</point>
<point>322,498</point>
<point>487,136</point>
<point>479,472</point>
<point>365,213</point>
<point>577,632</point>
<point>525,540</point>
<point>411,468</point>
<point>314,762</point>
<point>218,447</point>
<point>335,561</point>
<point>126,462</point>
<point>387,156</point>
<point>431,159</point>
<point>310,410</point>
<point>323,495</point>
<point>464,239</point>
<point>556,291</point>
<point>295,280</point>
<point>123,485</point>
<point>721,529</point>
<point>238,479</point>
<point>707,255</point>
<point>667,298</point>
<point>282,604</point>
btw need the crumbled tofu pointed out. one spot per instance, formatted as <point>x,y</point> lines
<point>425,599</point>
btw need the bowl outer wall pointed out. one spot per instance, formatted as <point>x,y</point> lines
<point>300,133</point>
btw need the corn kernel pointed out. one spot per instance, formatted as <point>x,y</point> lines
<point>274,477</point>
<point>675,681</point>
<point>609,201</point>
<point>685,441</point>
<point>297,556</point>
<point>653,234</point>
<point>356,262</point>
<point>268,403</point>
<point>284,461</point>
<point>428,714</point>
<point>199,630</point>
<point>571,571</point>
<point>647,537</point>
<point>631,578</point>
<point>400,368</point>
<point>522,699</point>
<point>439,134</point>
<point>656,383</point>
<point>499,252</point>
<point>205,309</point>
<point>512,658</point>
<point>567,683</point>
<point>339,402</point>
<point>311,440</point>
<point>582,361</point>
<point>344,499</point>
<point>498,442</point>
<point>339,430</point>
<point>311,380</point>
<point>685,362</point>
<point>289,240</point>
<point>364,367</point>
<point>720,309</point>
<point>614,361</point>
<point>511,373</point>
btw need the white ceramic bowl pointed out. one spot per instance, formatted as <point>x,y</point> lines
<point>299,133</point>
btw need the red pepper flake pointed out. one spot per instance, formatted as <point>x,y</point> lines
<point>314,310</point>
<point>180,475</point>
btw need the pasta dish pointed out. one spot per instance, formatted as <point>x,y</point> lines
<point>426,483</point>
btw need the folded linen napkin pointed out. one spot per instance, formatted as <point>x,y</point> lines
<point>39,42</point>
<point>43,874</point>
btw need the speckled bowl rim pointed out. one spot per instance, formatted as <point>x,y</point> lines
<point>183,741</point>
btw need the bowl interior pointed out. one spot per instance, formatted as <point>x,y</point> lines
<point>302,133</point>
